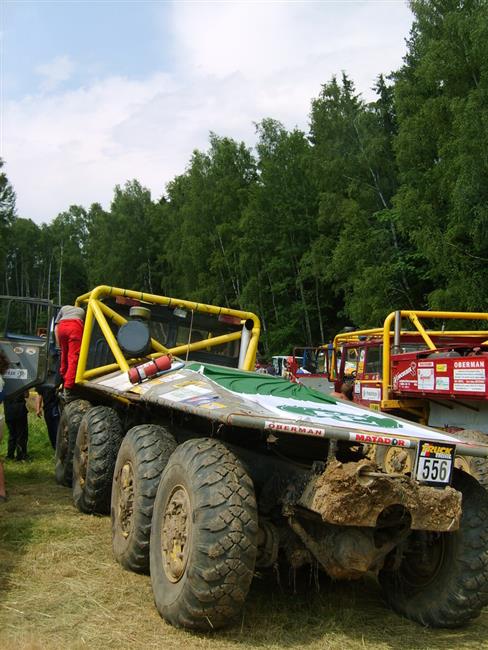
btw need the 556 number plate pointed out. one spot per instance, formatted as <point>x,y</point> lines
<point>435,463</point>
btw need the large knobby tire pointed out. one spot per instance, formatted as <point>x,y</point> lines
<point>97,443</point>
<point>142,457</point>
<point>442,580</point>
<point>477,467</point>
<point>203,537</point>
<point>69,422</point>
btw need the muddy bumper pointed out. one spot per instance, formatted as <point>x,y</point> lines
<point>357,494</point>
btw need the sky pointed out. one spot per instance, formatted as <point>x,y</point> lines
<point>94,93</point>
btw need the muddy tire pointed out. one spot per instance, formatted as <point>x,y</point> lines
<point>97,443</point>
<point>142,457</point>
<point>69,422</point>
<point>477,467</point>
<point>442,580</point>
<point>203,537</point>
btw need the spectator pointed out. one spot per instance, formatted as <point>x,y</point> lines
<point>3,367</point>
<point>346,391</point>
<point>18,428</point>
<point>261,368</point>
<point>270,369</point>
<point>47,401</point>
<point>69,331</point>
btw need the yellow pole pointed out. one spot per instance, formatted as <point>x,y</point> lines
<point>250,360</point>
<point>97,309</point>
<point>386,378</point>
<point>430,344</point>
<point>108,334</point>
<point>205,343</point>
<point>85,344</point>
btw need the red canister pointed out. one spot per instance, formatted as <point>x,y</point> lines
<point>149,369</point>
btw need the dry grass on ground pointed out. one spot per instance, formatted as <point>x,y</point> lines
<point>61,589</point>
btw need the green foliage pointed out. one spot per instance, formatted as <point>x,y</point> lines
<point>441,151</point>
<point>7,215</point>
<point>382,205</point>
<point>204,208</point>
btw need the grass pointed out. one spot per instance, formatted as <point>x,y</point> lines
<point>61,589</point>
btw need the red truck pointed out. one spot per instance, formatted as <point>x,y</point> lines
<point>418,367</point>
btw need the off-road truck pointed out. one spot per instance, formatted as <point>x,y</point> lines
<point>210,470</point>
<point>430,367</point>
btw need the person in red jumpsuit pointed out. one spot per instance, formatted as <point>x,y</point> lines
<point>69,331</point>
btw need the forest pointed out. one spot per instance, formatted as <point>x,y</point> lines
<point>381,205</point>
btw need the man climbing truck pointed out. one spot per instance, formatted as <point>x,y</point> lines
<point>210,471</point>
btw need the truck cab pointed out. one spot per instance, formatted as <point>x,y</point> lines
<point>432,374</point>
<point>27,340</point>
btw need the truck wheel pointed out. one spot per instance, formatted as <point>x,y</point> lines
<point>97,443</point>
<point>477,467</point>
<point>442,578</point>
<point>203,536</point>
<point>65,440</point>
<point>141,460</point>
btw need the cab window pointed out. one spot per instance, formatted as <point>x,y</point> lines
<point>373,361</point>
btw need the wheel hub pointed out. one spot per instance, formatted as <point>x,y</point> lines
<point>126,498</point>
<point>175,534</point>
<point>424,558</point>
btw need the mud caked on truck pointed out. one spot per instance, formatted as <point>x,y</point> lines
<point>210,471</point>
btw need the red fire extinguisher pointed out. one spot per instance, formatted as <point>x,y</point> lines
<point>149,369</point>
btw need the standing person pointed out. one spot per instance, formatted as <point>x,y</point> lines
<point>47,401</point>
<point>69,331</point>
<point>4,364</point>
<point>18,429</point>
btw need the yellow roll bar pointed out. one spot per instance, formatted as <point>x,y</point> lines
<point>414,316</point>
<point>98,311</point>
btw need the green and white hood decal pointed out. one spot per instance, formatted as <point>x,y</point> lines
<point>285,400</point>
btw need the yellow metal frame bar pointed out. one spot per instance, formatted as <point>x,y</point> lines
<point>414,316</point>
<point>97,310</point>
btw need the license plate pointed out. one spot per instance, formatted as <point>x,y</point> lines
<point>435,463</point>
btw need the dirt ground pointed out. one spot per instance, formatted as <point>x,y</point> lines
<point>60,588</point>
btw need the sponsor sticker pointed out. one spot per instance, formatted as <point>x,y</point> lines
<point>470,387</point>
<point>425,378</point>
<point>372,394</point>
<point>408,371</point>
<point>211,406</point>
<point>470,378</point>
<point>285,427</point>
<point>190,382</point>
<point>435,463</point>
<point>200,400</point>
<point>442,383</point>
<point>16,373</point>
<point>469,373</point>
<point>441,367</point>
<point>370,438</point>
<point>168,378</point>
<point>185,393</point>
<point>470,363</point>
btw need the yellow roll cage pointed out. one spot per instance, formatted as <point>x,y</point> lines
<point>385,334</point>
<point>97,310</point>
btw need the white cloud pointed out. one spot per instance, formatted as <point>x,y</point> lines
<point>236,64</point>
<point>55,72</point>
